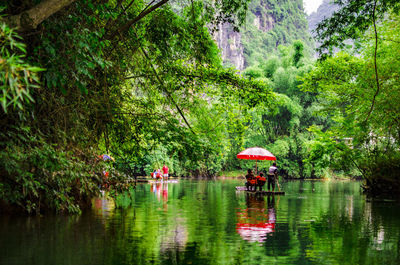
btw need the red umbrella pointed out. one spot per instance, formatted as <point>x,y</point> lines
<point>256,153</point>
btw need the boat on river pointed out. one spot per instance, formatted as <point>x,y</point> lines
<point>263,192</point>
<point>163,181</point>
<point>146,180</point>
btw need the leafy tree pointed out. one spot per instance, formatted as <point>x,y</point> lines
<point>282,126</point>
<point>351,21</point>
<point>140,81</point>
<point>298,52</point>
<point>347,85</point>
<point>271,65</point>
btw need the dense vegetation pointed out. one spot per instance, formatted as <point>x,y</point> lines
<point>283,127</point>
<point>145,83</point>
<point>271,23</point>
<point>345,120</point>
<point>360,92</point>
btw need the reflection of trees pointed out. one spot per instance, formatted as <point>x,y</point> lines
<point>103,206</point>
<point>334,225</point>
<point>383,227</point>
<point>277,243</point>
<point>347,229</point>
<point>174,237</point>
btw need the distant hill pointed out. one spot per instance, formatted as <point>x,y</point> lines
<point>269,23</point>
<point>325,10</point>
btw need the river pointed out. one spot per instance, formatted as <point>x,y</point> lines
<point>209,222</point>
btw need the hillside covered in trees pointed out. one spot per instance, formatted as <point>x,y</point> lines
<point>268,24</point>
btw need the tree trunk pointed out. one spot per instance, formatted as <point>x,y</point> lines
<point>30,19</point>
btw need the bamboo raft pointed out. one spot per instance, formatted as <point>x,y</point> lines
<point>263,192</point>
<point>143,180</point>
<point>163,181</point>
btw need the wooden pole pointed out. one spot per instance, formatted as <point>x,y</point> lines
<point>277,182</point>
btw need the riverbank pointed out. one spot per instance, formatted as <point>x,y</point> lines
<point>232,174</point>
<point>239,174</point>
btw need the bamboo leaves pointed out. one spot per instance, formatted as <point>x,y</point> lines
<point>17,78</point>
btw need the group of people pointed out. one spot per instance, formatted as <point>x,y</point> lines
<point>252,182</point>
<point>158,175</point>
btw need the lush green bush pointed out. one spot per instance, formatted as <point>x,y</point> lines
<point>360,94</point>
<point>38,177</point>
<point>123,199</point>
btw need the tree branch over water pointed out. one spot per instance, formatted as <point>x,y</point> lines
<point>165,88</point>
<point>375,64</point>
<point>30,19</point>
<point>142,14</point>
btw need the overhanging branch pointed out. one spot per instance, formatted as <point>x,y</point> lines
<point>30,19</point>
<point>375,63</point>
<point>165,88</point>
<point>144,13</point>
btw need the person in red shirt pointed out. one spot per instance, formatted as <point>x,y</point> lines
<point>165,172</point>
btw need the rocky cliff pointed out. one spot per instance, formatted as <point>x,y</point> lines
<point>230,44</point>
<point>325,10</point>
<point>269,23</point>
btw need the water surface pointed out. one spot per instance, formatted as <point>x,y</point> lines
<point>209,222</point>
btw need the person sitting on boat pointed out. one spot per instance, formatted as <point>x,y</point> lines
<point>272,175</point>
<point>159,174</point>
<point>261,181</point>
<point>251,180</point>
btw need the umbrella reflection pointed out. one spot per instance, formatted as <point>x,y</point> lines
<point>256,222</point>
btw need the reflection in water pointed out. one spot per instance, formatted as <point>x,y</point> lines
<point>175,238</point>
<point>207,222</point>
<point>103,206</point>
<point>173,234</point>
<point>349,207</point>
<point>255,222</point>
<point>159,189</point>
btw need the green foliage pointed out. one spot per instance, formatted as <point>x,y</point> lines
<point>281,126</point>
<point>298,52</point>
<point>17,77</point>
<point>253,72</point>
<point>271,65</point>
<point>137,90</point>
<point>270,24</point>
<point>124,199</point>
<point>351,21</point>
<point>365,116</point>
<point>37,176</point>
